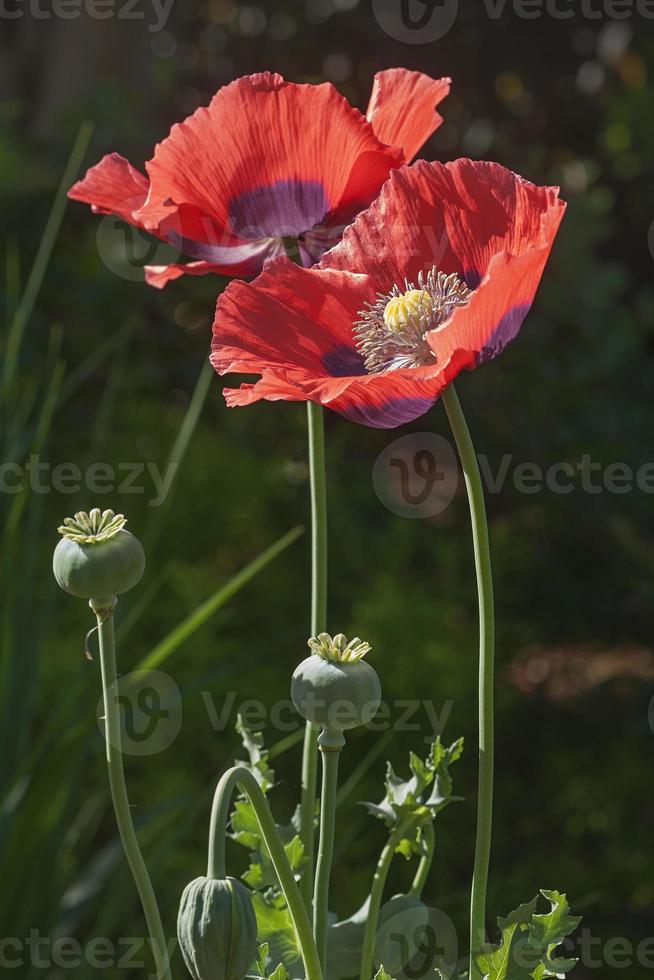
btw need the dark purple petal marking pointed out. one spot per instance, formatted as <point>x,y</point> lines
<point>505,331</point>
<point>287,207</point>
<point>343,362</point>
<point>472,278</point>
<point>391,413</point>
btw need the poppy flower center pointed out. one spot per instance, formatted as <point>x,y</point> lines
<point>392,331</point>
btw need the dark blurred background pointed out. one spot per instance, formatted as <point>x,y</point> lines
<point>107,370</point>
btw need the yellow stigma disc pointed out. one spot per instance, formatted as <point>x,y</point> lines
<point>401,309</point>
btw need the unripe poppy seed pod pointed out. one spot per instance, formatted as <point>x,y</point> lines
<point>335,688</point>
<point>217,929</point>
<point>96,556</point>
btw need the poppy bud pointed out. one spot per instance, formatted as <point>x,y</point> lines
<point>96,556</point>
<point>217,929</point>
<point>334,688</point>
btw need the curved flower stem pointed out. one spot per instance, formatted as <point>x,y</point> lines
<point>318,625</point>
<point>422,873</point>
<point>103,608</point>
<point>376,895</point>
<point>486,669</point>
<point>330,744</point>
<point>242,778</point>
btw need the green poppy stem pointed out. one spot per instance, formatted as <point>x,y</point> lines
<point>479,522</point>
<point>376,895</point>
<point>242,778</point>
<point>424,867</point>
<point>318,625</point>
<point>113,743</point>
<point>330,744</point>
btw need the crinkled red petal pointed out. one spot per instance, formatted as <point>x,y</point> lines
<point>402,108</point>
<point>261,132</point>
<point>453,216</point>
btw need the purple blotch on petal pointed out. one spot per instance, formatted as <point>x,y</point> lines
<point>505,331</point>
<point>391,413</point>
<point>343,362</point>
<point>472,278</point>
<point>287,207</point>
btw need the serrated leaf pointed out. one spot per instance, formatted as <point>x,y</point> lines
<point>279,973</point>
<point>556,925</point>
<point>529,941</point>
<point>245,828</point>
<point>407,803</point>
<point>275,927</point>
<point>262,958</point>
<point>548,931</point>
<point>381,974</point>
<point>257,762</point>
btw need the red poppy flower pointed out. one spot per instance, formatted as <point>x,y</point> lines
<point>265,161</point>
<point>435,277</point>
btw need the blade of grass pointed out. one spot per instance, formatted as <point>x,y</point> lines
<point>163,650</point>
<point>41,260</point>
<point>179,450</point>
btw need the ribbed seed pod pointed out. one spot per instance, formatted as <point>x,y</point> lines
<point>217,929</point>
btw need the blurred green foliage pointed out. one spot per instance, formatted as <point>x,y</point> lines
<point>562,101</point>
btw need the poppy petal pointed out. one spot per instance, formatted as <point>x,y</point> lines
<point>263,325</point>
<point>295,327</point>
<point>494,314</point>
<point>402,108</point>
<point>267,157</point>
<point>112,186</point>
<point>380,401</point>
<point>237,260</point>
<point>453,216</point>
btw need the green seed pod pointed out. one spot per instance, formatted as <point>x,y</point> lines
<point>217,929</point>
<point>96,556</point>
<point>334,688</point>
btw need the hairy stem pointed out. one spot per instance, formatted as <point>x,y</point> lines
<point>242,778</point>
<point>479,522</point>
<point>113,742</point>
